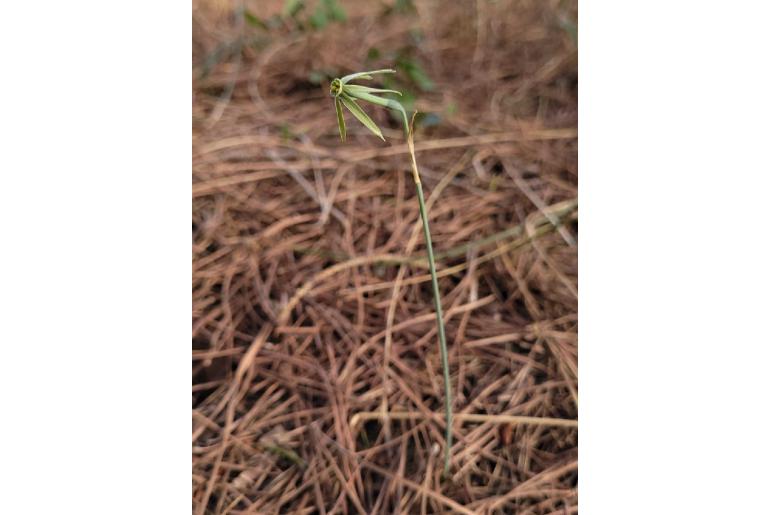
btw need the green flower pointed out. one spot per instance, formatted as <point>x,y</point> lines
<point>349,95</point>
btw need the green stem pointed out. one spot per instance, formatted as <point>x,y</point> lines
<point>436,301</point>
<point>440,323</point>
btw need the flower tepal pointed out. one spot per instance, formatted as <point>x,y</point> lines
<point>349,95</point>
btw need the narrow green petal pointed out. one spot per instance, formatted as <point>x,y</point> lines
<point>360,95</point>
<point>366,89</point>
<point>340,118</point>
<point>364,75</point>
<point>384,102</point>
<point>359,113</point>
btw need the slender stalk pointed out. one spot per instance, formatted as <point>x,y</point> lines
<point>348,95</point>
<point>436,299</point>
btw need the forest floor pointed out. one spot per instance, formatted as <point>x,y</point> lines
<point>316,377</point>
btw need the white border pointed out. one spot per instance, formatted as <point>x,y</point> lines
<point>674,260</point>
<point>95,261</point>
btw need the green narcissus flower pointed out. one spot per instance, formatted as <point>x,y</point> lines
<point>349,95</point>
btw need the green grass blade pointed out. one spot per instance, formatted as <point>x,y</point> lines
<point>340,118</point>
<point>359,113</point>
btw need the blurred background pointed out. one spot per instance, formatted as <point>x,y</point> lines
<point>317,382</point>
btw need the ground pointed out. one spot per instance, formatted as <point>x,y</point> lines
<point>317,383</point>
